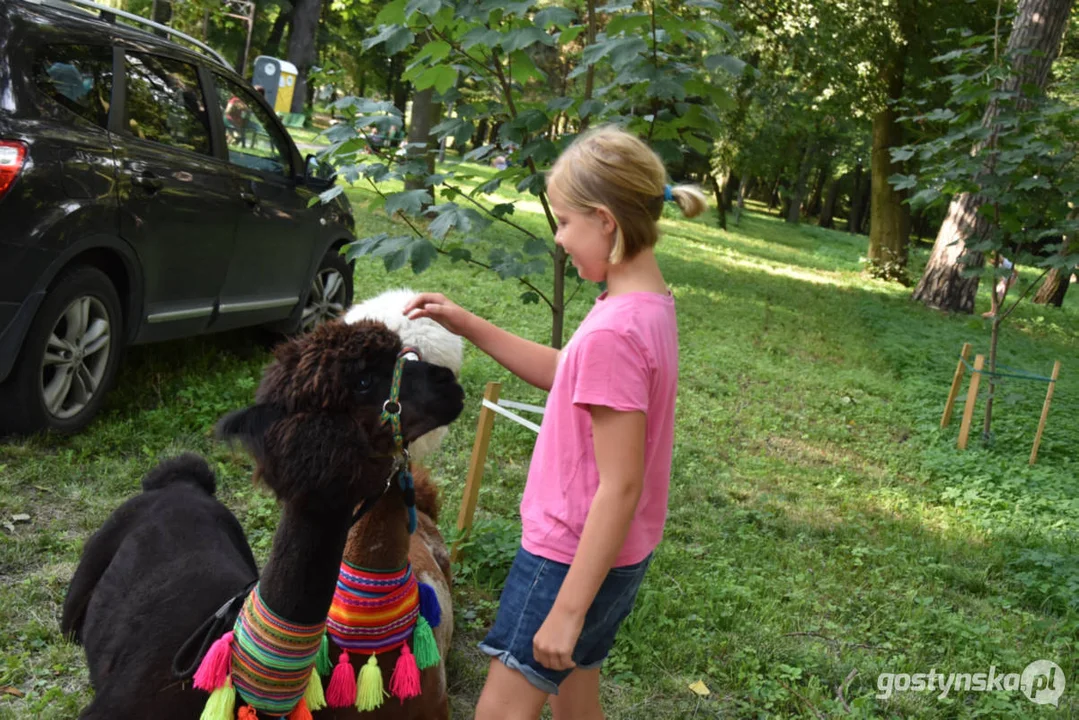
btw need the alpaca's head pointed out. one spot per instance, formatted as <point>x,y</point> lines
<point>436,344</point>
<point>315,430</point>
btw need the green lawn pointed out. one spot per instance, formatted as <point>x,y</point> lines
<point>820,523</point>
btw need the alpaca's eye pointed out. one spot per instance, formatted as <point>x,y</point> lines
<point>365,382</point>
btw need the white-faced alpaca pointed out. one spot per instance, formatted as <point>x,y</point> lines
<point>144,597</point>
<point>382,558</point>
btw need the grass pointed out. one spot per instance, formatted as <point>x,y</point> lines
<point>819,524</point>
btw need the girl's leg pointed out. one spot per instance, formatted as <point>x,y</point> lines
<point>578,697</point>
<point>507,695</point>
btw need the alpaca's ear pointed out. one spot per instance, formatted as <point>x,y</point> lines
<point>250,426</point>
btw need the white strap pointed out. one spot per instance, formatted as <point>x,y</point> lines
<point>522,406</point>
<point>512,416</point>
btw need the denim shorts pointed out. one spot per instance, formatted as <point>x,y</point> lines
<point>530,592</point>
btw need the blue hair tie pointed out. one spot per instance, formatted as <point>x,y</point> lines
<point>667,194</point>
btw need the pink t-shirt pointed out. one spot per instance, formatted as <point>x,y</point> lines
<point>623,356</point>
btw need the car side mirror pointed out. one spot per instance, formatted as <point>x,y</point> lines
<point>318,175</point>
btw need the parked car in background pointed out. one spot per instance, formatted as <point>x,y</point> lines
<point>147,193</point>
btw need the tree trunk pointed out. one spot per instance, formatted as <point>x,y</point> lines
<point>1055,286</point>
<point>277,31</point>
<point>721,210</point>
<point>745,187</point>
<point>728,190</point>
<point>773,197</point>
<point>827,213</point>
<point>816,198</point>
<point>161,12</point>
<point>421,143</point>
<point>854,220</point>
<point>301,47</point>
<point>809,157</point>
<point>1033,45</point>
<point>889,229</point>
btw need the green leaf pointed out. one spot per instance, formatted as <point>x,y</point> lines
<point>558,16</point>
<point>525,37</point>
<point>392,14</point>
<point>502,209</point>
<point>396,260</point>
<point>560,104</point>
<point>422,255</point>
<point>529,297</point>
<point>326,196</point>
<point>523,69</point>
<point>434,51</point>
<point>410,202</point>
<point>903,182</point>
<point>902,154</point>
<point>458,254</point>
<point>441,77</point>
<point>632,23</point>
<point>460,130</point>
<point>727,63</point>
<point>426,7</point>
<point>590,107</point>
<point>570,34</point>
<point>536,246</point>
<point>621,51</point>
<point>396,37</point>
<point>480,36</point>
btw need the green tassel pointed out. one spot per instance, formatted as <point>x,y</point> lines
<point>424,646</point>
<point>322,659</point>
<point>222,703</point>
<point>313,695</point>
<point>369,692</point>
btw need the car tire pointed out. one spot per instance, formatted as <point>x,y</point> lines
<point>330,293</point>
<point>69,358</point>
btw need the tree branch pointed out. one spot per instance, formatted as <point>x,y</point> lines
<point>487,210</point>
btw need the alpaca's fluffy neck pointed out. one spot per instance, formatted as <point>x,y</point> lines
<point>380,541</point>
<point>301,573</point>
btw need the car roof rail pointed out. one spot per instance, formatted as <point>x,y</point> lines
<point>105,11</point>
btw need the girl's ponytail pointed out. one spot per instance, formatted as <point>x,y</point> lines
<point>690,199</point>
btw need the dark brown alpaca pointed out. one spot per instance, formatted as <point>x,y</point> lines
<point>381,541</point>
<point>167,559</point>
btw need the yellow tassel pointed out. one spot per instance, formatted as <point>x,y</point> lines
<point>313,695</point>
<point>222,703</point>
<point>370,693</point>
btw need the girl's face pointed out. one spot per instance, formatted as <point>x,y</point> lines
<point>586,236</point>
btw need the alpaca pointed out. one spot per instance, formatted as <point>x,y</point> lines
<point>153,576</point>
<point>382,542</point>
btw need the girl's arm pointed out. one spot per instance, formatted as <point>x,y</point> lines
<point>530,361</point>
<point>618,439</point>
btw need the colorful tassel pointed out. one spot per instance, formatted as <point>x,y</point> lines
<point>247,713</point>
<point>312,694</point>
<point>342,690</point>
<point>429,606</point>
<point>222,703</point>
<point>322,659</point>
<point>213,671</point>
<point>424,645</point>
<point>405,681</point>
<point>300,712</point>
<point>370,694</point>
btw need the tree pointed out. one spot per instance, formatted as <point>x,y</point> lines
<point>647,72</point>
<point>302,51</point>
<point>1024,173</point>
<point>947,283</point>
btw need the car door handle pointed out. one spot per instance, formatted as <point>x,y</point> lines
<point>249,197</point>
<point>147,182</point>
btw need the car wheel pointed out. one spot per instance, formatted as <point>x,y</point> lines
<point>69,357</point>
<point>330,294</point>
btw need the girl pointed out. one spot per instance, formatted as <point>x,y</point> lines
<point>596,497</point>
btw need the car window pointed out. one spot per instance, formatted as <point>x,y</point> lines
<point>79,77</point>
<point>253,138</point>
<point>165,103</point>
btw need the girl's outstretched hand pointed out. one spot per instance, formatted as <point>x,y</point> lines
<point>442,310</point>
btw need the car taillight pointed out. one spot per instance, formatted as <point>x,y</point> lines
<point>12,155</point>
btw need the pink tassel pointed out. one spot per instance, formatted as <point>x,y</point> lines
<point>214,668</point>
<point>405,681</point>
<point>342,690</point>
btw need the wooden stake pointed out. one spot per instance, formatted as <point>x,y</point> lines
<point>475,467</point>
<point>972,399</point>
<point>957,382</point>
<point>1045,413</point>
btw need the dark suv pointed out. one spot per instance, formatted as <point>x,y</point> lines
<point>147,193</point>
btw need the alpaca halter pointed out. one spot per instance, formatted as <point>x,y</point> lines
<point>391,414</point>
<point>373,612</point>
